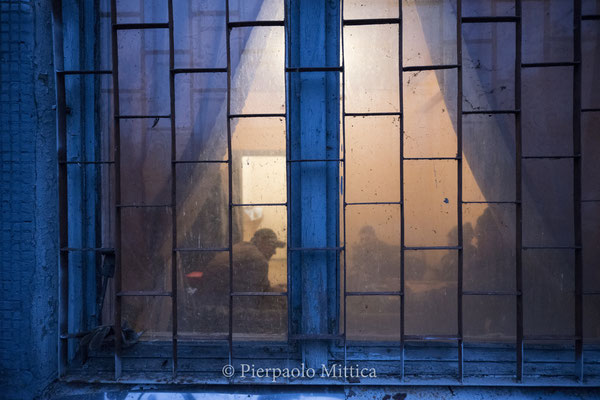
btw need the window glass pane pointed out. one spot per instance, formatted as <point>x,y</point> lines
<point>373,318</point>
<point>430,201</point>
<point>259,250</point>
<point>548,203</point>
<point>143,71</point>
<point>355,9</point>
<point>590,161</point>
<point>145,161</point>
<point>135,11</point>
<point>201,116</point>
<point>490,318</point>
<point>260,317</point>
<point>373,245</point>
<point>590,90</point>
<point>489,158</point>
<point>371,72</point>
<point>489,66</point>
<point>259,163</point>
<point>431,294</point>
<point>548,292</point>
<point>478,8</point>
<point>547,31</point>
<point>429,32</point>
<point>373,159</point>
<point>146,319</point>
<point>257,63</point>
<point>146,249</point>
<point>203,294</point>
<point>547,111</point>
<point>489,247</point>
<point>591,254</point>
<point>199,34</point>
<point>430,93</point>
<point>202,206</point>
<point>256,10</point>
<point>591,322</point>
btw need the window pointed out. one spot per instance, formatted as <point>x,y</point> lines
<point>410,187</point>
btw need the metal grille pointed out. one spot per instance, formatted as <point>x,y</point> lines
<point>515,21</point>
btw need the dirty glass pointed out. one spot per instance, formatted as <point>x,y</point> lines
<point>258,174</point>
<point>374,170</point>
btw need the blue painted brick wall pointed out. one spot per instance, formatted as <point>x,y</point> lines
<point>27,146</point>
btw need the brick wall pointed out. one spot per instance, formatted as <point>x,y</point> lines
<point>28,206</point>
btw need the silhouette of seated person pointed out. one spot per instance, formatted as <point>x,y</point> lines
<point>250,274</point>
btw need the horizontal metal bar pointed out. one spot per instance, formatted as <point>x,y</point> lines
<point>485,19</point>
<point>418,68</point>
<point>373,203</point>
<point>432,247</point>
<point>191,338</point>
<point>549,64</point>
<point>431,158</point>
<point>371,21</point>
<point>551,337</point>
<point>316,160</point>
<point>315,336</point>
<point>258,204</point>
<point>143,205</point>
<point>253,294</point>
<point>591,292</point>
<point>491,202</point>
<point>552,247</point>
<point>76,335</point>
<point>142,116</point>
<point>199,70</point>
<point>491,112</point>
<point>85,72</point>
<point>151,293</point>
<point>490,293</point>
<point>314,69</point>
<point>590,109</point>
<point>431,337</point>
<point>200,162</point>
<point>590,201</point>
<point>142,25</point>
<point>232,116</point>
<point>247,24</point>
<point>85,162</point>
<point>591,17</point>
<point>373,114</point>
<point>200,250</point>
<point>100,249</point>
<point>393,293</point>
<point>549,157</point>
<point>315,248</point>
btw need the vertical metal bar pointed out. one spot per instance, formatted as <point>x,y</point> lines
<point>402,242</point>
<point>230,179</point>
<point>61,139</point>
<point>459,215</point>
<point>286,62</point>
<point>577,189</point>
<point>173,186</point>
<point>344,183</point>
<point>518,192</point>
<point>117,152</point>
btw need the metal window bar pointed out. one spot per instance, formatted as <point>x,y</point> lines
<point>117,156</point>
<point>63,211</point>
<point>518,193</point>
<point>577,185</point>
<point>459,203</point>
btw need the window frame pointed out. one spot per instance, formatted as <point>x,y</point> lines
<point>315,345</point>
